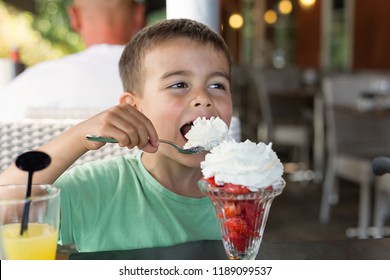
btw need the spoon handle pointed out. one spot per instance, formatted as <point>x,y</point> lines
<point>101,139</point>
<point>190,151</point>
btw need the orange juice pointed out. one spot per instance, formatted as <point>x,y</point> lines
<point>39,242</point>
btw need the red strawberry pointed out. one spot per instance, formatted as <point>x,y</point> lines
<point>250,212</point>
<point>212,182</point>
<point>238,241</point>
<point>233,188</point>
<point>231,210</point>
<point>237,225</point>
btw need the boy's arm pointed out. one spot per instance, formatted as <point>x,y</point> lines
<point>63,150</point>
<point>123,122</point>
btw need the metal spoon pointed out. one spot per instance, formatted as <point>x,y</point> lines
<point>191,151</point>
<point>30,161</point>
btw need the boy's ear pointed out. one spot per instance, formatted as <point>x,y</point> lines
<point>130,98</point>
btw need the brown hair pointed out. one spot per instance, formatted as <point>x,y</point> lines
<point>131,62</point>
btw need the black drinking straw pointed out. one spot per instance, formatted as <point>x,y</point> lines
<point>30,161</point>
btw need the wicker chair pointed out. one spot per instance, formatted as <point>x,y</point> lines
<point>19,137</point>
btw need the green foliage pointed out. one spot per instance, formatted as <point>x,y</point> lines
<point>46,35</point>
<point>53,23</point>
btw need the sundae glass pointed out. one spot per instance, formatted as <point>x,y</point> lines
<point>242,179</point>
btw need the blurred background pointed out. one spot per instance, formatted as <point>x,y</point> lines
<point>333,34</point>
<point>284,51</point>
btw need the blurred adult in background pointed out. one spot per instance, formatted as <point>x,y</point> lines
<point>89,80</point>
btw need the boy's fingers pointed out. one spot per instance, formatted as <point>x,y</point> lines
<point>149,148</point>
<point>153,137</point>
<point>129,126</point>
<point>146,131</point>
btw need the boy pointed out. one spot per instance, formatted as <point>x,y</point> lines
<point>172,73</point>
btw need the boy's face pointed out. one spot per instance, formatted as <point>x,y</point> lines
<point>184,80</point>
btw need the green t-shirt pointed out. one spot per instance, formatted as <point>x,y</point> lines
<point>116,204</point>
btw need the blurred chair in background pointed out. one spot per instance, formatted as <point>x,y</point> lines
<point>245,103</point>
<point>353,139</point>
<point>381,206</point>
<point>381,168</point>
<point>287,113</point>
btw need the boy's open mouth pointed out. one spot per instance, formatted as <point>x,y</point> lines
<point>185,128</point>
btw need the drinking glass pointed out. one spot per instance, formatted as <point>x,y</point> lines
<point>242,217</point>
<point>39,240</point>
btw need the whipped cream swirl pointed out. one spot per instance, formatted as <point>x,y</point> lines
<point>243,163</point>
<point>207,133</point>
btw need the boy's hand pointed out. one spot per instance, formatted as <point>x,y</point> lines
<point>124,123</point>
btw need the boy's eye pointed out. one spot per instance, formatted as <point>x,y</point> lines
<point>217,86</point>
<point>179,85</point>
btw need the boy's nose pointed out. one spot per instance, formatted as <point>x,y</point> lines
<point>206,104</point>
<point>202,98</point>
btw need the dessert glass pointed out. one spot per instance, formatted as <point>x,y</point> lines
<point>242,217</point>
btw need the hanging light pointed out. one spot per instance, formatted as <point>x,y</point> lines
<point>236,21</point>
<point>270,17</point>
<point>307,3</point>
<point>285,7</point>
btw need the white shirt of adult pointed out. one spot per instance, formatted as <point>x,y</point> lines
<point>88,80</point>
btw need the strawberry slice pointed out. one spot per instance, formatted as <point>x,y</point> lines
<point>238,241</point>
<point>250,212</point>
<point>231,210</point>
<point>212,182</point>
<point>237,225</point>
<point>236,189</point>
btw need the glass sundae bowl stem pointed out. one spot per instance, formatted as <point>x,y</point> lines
<point>242,218</point>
